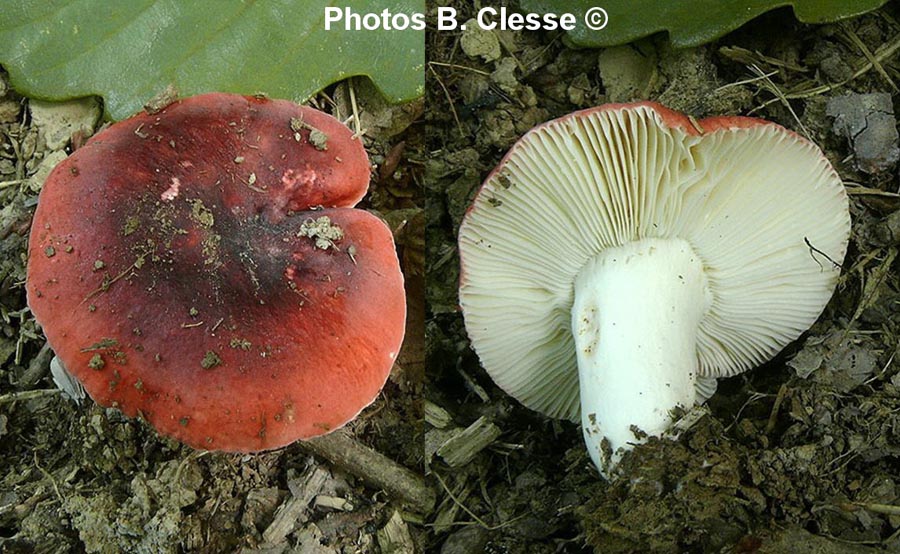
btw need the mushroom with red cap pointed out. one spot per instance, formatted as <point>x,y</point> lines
<point>622,258</point>
<point>203,267</point>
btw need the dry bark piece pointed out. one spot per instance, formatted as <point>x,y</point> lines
<point>217,300</point>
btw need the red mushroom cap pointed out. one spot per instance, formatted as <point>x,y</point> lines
<point>202,267</point>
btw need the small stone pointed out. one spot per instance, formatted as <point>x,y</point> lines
<point>867,122</point>
<point>807,361</point>
<point>579,90</point>
<point>9,110</point>
<point>835,69</point>
<point>476,41</point>
<point>505,76</point>
<point>36,181</point>
<point>58,122</point>
<point>466,540</point>
<point>318,139</point>
<point>626,73</point>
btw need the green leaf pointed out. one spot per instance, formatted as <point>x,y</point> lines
<point>689,22</point>
<point>129,51</point>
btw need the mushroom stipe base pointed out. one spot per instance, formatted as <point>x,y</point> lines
<point>635,319</point>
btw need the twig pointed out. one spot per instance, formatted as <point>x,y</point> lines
<point>773,415</point>
<point>886,509</point>
<point>881,54</point>
<point>456,66</point>
<point>854,38</point>
<point>747,81</point>
<point>779,94</point>
<point>850,454</point>
<point>471,513</point>
<point>105,286</point>
<point>466,443</point>
<point>37,367</point>
<point>27,395</point>
<point>449,100</point>
<point>460,504</point>
<point>194,455</point>
<point>754,396</point>
<point>859,190</point>
<point>357,129</point>
<point>216,326</point>
<point>746,57</point>
<point>817,251</point>
<point>47,474</point>
<point>882,372</point>
<point>374,468</point>
<point>546,47</point>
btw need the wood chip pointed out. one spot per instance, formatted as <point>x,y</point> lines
<point>294,511</point>
<point>333,503</point>
<point>473,386</point>
<point>436,416</point>
<point>394,537</point>
<point>467,443</point>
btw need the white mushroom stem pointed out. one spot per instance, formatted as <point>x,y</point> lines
<point>635,318</point>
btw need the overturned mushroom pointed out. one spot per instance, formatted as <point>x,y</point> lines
<point>202,275</point>
<point>622,258</point>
